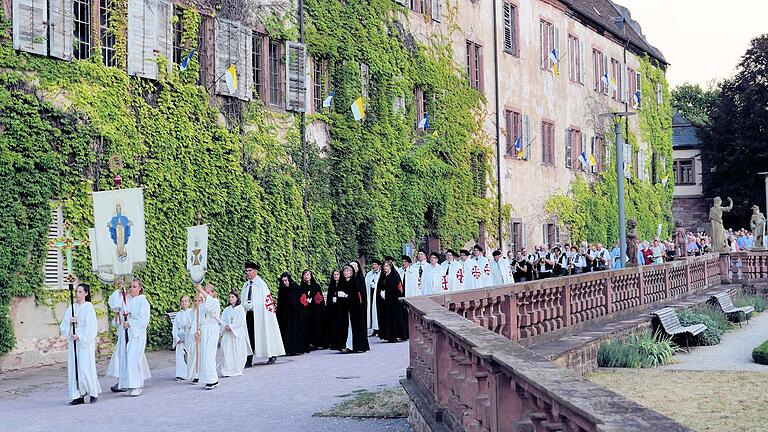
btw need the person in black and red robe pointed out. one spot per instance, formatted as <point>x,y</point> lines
<point>317,334</point>
<point>390,290</point>
<point>291,315</point>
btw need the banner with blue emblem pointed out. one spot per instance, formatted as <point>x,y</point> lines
<point>119,231</point>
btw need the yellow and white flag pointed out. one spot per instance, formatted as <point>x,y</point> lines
<point>357,109</point>
<point>231,77</point>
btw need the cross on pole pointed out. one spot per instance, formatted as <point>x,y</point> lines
<point>66,244</point>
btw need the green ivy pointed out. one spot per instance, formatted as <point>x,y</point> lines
<point>379,185</point>
<point>589,210</point>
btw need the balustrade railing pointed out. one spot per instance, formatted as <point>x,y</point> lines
<point>745,266</point>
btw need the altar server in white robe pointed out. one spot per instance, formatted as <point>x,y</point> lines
<point>409,277</point>
<point>84,336</point>
<point>466,281</point>
<point>193,339</point>
<point>420,266</point>
<point>117,301</point>
<point>210,327</point>
<point>234,338</point>
<point>136,370</point>
<point>478,268</point>
<point>500,270</point>
<point>453,276</point>
<point>432,278</point>
<point>261,319</point>
<point>178,333</point>
<point>371,282</point>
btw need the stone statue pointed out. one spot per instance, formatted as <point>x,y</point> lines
<point>716,224</point>
<point>757,223</point>
<point>681,240</point>
<point>632,243</point>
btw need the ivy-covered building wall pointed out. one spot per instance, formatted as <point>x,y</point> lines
<point>379,184</point>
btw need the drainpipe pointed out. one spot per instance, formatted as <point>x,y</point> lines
<point>498,116</point>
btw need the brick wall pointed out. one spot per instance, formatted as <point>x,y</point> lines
<point>694,212</point>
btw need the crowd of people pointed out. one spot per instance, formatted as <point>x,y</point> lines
<point>741,240</point>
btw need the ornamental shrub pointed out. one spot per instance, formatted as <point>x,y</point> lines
<point>760,354</point>
<point>715,321</point>
<point>639,350</point>
<point>757,302</point>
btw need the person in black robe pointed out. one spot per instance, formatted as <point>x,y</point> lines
<point>390,290</point>
<point>338,313</point>
<point>317,335</point>
<point>353,284</point>
<point>291,315</point>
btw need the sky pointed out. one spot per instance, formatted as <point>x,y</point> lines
<point>702,39</point>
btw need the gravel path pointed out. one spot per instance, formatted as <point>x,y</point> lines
<point>280,397</point>
<point>733,353</point>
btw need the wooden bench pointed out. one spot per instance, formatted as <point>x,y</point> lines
<point>724,301</point>
<point>671,324</point>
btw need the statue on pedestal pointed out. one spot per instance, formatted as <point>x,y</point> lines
<point>632,243</point>
<point>681,240</point>
<point>757,223</point>
<point>716,224</point>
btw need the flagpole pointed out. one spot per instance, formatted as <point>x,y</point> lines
<point>498,120</point>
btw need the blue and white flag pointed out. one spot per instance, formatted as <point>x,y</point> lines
<point>605,80</point>
<point>185,63</point>
<point>424,123</point>
<point>638,98</point>
<point>583,159</point>
<point>327,102</point>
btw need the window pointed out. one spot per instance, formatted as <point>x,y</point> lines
<point>258,65</point>
<point>569,155</point>
<point>574,61</point>
<point>275,75</point>
<point>178,31</point>
<point>514,122</point>
<point>415,5</point>
<point>82,29</point>
<point>576,147</point>
<point>436,10</point>
<point>510,29</point>
<point>106,35</point>
<point>599,60</point>
<point>548,143</point>
<point>419,103</point>
<point>320,83</point>
<point>516,235</point>
<point>684,172</point>
<point>546,43</point>
<point>598,151</point>
<point>54,262</point>
<point>616,79</point>
<point>203,36</point>
<point>631,86</point>
<point>551,234</point>
<point>475,65</point>
<point>659,94</point>
<point>365,80</point>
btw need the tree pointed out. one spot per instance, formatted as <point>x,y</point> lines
<point>695,103</point>
<point>735,147</point>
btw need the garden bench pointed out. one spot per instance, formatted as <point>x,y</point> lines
<point>670,323</point>
<point>724,301</point>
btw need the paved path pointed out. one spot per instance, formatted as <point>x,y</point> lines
<point>280,397</point>
<point>733,353</point>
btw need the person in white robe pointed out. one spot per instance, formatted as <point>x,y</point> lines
<point>409,277</point>
<point>210,322</point>
<point>509,261</point>
<point>499,270</point>
<point>432,278</point>
<point>465,281</point>
<point>234,338</point>
<point>178,333</point>
<point>371,281</point>
<point>117,302</point>
<point>479,270</point>
<point>420,266</point>
<point>136,369</point>
<point>453,274</point>
<point>261,319</point>
<point>192,340</point>
<point>86,383</point>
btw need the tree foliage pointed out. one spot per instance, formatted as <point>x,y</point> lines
<point>735,147</point>
<point>695,103</point>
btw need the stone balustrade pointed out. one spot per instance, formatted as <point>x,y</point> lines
<point>749,267</point>
<point>529,311</point>
<point>466,377</point>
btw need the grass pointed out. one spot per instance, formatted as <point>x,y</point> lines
<point>385,403</point>
<point>758,302</point>
<point>639,350</point>
<point>702,400</point>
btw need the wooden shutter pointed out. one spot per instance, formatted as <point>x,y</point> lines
<point>607,86</point>
<point>53,270</point>
<point>142,38</point>
<point>61,28</point>
<point>638,88</point>
<point>526,136</point>
<point>226,46</point>
<point>624,82</point>
<point>30,26</point>
<point>582,64</point>
<point>436,10</point>
<point>244,66</point>
<point>296,77</point>
<point>165,31</point>
<point>568,148</point>
<point>507,27</point>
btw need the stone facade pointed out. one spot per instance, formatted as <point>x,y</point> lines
<point>693,212</point>
<point>688,203</point>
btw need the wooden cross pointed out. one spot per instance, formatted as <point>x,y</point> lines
<point>65,244</point>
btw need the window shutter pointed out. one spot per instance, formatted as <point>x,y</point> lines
<point>245,66</point>
<point>556,42</point>
<point>54,263</point>
<point>585,150</point>
<point>30,26</point>
<point>593,152</point>
<point>526,137</point>
<point>226,46</point>
<point>364,80</point>
<point>639,88</point>
<point>545,234</point>
<point>568,154</point>
<point>296,77</point>
<point>61,28</point>
<point>436,10</point>
<point>582,64</point>
<point>607,88</point>
<point>659,95</point>
<point>165,31</point>
<point>523,234</point>
<point>507,27</point>
<point>142,38</point>
<point>624,82</point>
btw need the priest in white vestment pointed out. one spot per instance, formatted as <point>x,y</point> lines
<point>371,281</point>
<point>178,333</point>
<point>136,369</point>
<point>261,319</point>
<point>192,339</point>
<point>234,338</point>
<point>409,277</point>
<point>210,313</point>
<point>420,266</point>
<point>499,270</point>
<point>84,336</point>
<point>432,277</point>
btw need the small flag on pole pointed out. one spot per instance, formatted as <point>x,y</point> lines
<point>329,100</point>
<point>358,110</point>
<point>231,77</point>
<point>185,63</point>
<point>554,57</point>
<point>604,78</point>
<point>614,86</point>
<point>434,134</point>
<point>583,158</point>
<point>519,148</point>
<point>424,123</point>
<point>592,161</point>
<point>638,98</point>
<point>627,170</point>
